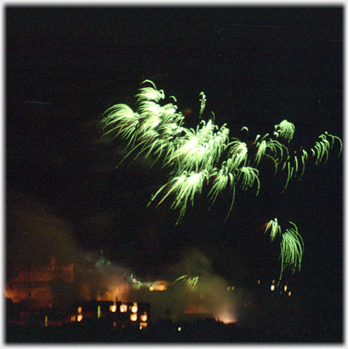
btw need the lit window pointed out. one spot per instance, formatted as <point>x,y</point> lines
<point>134,308</point>
<point>79,310</point>
<point>143,325</point>
<point>99,312</point>
<point>113,307</point>
<point>285,288</point>
<point>232,288</point>
<point>258,282</point>
<point>272,287</point>
<point>123,308</point>
<point>133,317</point>
<point>143,317</point>
<point>73,318</point>
<point>114,323</point>
<point>289,293</point>
<point>228,288</point>
<point>79,317</point>
<point>179,329</point>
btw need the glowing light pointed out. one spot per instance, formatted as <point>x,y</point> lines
<point>191,283</point>
<point>143,317</point>
<point>289,294</point>
<point>179,329</point>
<point>79,317</point>
<point>46,320</point>
<point>113,307</point>
<point>258,282</point>
<point>194,157</point>
<point>99,312</point>
<point>160,285</point>
<point>73,318</point>
<point>275,228</point>
<point>285,288</point>
<point>272,287</point>
<point>291,249</point>
<point>116,288</point>
<point>285,130</point>
<point>133,317</point>
<point>142,325</point>
<point>123,308</point>
<point>114,324</point>
<point>224,315</point>
<point>134,308</point>
<point>226,318</point>
<point>79,310</point>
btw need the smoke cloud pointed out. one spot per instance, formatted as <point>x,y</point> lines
<point>35,233</point>
<point>195,291</point>
<point>189,286</point>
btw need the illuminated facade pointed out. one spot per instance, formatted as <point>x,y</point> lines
<point>35,283</point>
<point>116,314</point>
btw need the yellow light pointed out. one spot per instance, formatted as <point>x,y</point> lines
<point>73,318</point>
<point>272,287</point>
<point>143,325</point>
<point>179,329</point>
<point>134,308</point>
<point>160,285</point>
<point>133,317</point>
<point>232,288</point>
<point>113,307</point>
<point>273,281</point>
<point>99,312</point>
<point>285,288</point>
<point>79,317</point>
<point>228,288</point>
<point>46,321</point>
<point>123,308</point>
<point>289,293</point>
<point>143,317</point>
<point>258,282</point>
<point>79,310</point>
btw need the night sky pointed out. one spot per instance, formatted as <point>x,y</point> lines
<point>257,66</point>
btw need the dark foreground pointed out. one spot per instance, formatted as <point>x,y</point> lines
<point>199,332</point>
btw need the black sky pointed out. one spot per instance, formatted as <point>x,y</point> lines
<point>257,66</point>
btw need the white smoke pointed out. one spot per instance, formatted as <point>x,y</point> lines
<point>198,292</point>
